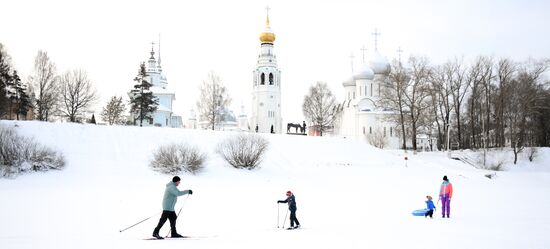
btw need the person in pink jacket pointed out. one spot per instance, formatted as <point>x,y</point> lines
<point>445,195</point>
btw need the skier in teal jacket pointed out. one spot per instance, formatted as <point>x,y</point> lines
<point>171,194</point>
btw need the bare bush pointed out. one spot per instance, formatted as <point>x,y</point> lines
<point>174,158</point>
<point>243,151</point>
<point>377,139</point>
<point>496,166</point>
<point>532,153</point>
<point>20,154</point>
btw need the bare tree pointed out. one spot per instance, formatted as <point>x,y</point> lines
<point>521,107</point>
<point>113,111</point>
<point>393,96</point>
<point>459,87</point>
<point>417,93</point>
<point>506,70</point>
<point>213,99</point>
<point>77,94</point>
<point>441,101</point>
<point>320,107</point>
<point>45,85</point>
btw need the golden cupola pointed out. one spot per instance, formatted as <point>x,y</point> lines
<point>267,36</point>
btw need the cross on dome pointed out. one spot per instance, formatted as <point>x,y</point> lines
<point>351,57</point>
<point>363,49</point>
<point>376,34</point>
<point>399,51</point>
<point>152,50</point>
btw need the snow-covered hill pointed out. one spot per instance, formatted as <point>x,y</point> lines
<point>349,195</point>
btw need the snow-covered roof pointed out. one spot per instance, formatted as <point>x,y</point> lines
<point>379,64</point>
<point>365,73</point>
<point>349,82</point>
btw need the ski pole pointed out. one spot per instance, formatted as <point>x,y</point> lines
<point>122,230</point>
<point>178,213</point>
<point>278,205</point>
<point>284,221</point>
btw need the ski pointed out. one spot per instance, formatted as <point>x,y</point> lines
<point>184,237</point>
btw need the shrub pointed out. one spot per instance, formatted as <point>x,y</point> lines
<point>174,158</point>
<point>532,153</point>
<point>243,150</point>
<point>20,154</point>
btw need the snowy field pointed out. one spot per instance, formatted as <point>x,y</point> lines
<point>349,195</point>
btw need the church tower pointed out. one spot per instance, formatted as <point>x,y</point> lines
<point>266,93</point>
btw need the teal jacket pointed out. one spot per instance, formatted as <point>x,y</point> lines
<point>171,196</point>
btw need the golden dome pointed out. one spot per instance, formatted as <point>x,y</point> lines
<point>267,36</point>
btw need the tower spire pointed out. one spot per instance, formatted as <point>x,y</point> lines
<point>267,16</point>
<point>159,49</point>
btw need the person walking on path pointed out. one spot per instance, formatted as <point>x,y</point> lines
<point>169,200</point>
<point>291,200</point>
<point>445,195</point>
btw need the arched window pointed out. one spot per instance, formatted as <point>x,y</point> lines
<point>270,78</point>
<point>371,89</point>
<point>262,79</point>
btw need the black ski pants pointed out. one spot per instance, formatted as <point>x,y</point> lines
<point>167,215</point>
<point>429,213</point>
<point>293,218</point>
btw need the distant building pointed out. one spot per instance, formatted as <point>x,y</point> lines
<point>163,116</point>
<point>363,117</point>
<point>226,122</point>
<point>266,87</point>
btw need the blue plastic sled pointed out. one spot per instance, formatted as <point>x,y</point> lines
<point>420,212</point>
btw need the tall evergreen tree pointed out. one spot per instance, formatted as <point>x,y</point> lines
<point>4,79</point>
<point>20,98</point>
<point>142,101</point>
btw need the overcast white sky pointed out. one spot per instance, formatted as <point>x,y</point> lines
<point>109,39</point>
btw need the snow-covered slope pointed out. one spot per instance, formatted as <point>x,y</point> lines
<point>349,195</point>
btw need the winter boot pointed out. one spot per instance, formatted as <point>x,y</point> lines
<point>177,235</point>
<point>157,236</point>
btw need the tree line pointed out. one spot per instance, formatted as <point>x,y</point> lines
<point>485,103</point>
<point>45,93</point>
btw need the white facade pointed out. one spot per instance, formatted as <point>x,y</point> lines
<point>363,117</point>
<point>266,94</point>
<point>163,116</point>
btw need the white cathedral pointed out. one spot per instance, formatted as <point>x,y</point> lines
<point>363,117</point>
<point>163,116</point>
<point>266,93</point>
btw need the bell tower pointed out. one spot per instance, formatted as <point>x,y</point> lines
<point>266,94</point>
